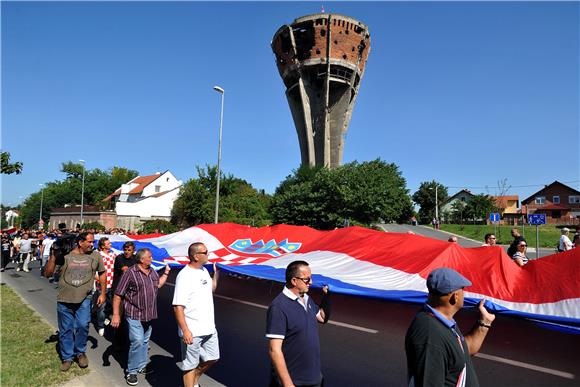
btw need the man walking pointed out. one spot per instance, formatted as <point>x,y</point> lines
<point>437,352</point>
<point>45,251</point>
<point>138,290</point>
<point>24,253</point>
<point>292,330</point>
<point>122,262</point>
<point>193,307</point>
<point>6,249</point>
<point>105,310</point>
<point>75,289</point>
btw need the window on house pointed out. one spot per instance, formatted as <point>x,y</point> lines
<point>463,198</point>
<point>157,188</point>
<point>556,214</point>
<point>573,199</point>
<point>540,199</point>
<point>556,200</point>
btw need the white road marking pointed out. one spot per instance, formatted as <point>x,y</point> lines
<point>340,324</point>
<point>337,323</point>
<point>515,363</point>
<point>532,367</point>
<point>241,301</point>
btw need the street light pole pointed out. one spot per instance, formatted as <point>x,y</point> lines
<point>82,192</point>
<point>436,204</point>
<point>217,191</point>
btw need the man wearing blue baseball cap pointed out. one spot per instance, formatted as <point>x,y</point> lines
<point>437,352</point>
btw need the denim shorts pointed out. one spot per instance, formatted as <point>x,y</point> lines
<point>203,348</point>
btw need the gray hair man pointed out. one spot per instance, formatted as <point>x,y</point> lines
<point>138,290</point>
<point>565,243</point>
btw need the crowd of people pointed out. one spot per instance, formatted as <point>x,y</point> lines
<point>122,292</point>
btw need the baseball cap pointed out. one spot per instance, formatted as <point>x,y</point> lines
<point>445,280</point>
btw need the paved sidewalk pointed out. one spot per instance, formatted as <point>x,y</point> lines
<point>104,364</point>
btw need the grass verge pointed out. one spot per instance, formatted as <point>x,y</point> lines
<point>26,360</point>
<point>548,235</point>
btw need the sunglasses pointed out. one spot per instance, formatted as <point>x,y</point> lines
<point>203,252</point>
<point>306,280</point>
<point>522,245</point>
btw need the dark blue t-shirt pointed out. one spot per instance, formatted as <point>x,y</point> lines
<point>288,320</point>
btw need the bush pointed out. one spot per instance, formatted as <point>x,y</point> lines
<point>158,226</point>
<point>93,225</point>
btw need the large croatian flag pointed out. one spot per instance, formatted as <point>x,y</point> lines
<point>391,266</point>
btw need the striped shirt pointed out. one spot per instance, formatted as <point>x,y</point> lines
<point>139,293</point>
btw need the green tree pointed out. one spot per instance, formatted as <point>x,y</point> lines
<point>9,168</point>
<point>362,193</point>
<point>424,197</point>
<point>98,185</point>
<point>479,207</point>
<point>239,201</point>
<point>458,211</point>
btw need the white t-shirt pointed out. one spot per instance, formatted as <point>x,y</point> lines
<point>565,243</point>
<point>193,290</point>
<point>47,243</point>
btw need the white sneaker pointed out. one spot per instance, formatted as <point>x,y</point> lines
<point>17,269</point>
<point>26,270</point>
<point>102,332</point>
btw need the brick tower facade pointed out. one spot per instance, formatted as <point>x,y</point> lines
<point>321,59</point>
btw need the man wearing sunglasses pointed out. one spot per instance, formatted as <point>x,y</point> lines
<point>490,240</point>
<point>294,345</point>
<point>194,312</point>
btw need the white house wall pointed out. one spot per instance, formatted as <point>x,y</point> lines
<point>166,182</point>
<point>149,207</point>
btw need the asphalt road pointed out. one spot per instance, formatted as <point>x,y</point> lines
<point>362,347</point>
<point>429,232</point>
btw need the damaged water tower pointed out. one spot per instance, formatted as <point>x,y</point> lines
<point>321,59</point>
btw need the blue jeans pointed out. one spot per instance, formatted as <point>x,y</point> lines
<point>73,328</point>
<point>104,310</point>
<point>139,334</point>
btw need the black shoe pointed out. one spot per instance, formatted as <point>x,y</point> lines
<point>131,379</point>
<point>145,371</point>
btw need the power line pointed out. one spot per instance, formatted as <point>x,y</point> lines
<point>513,186</point>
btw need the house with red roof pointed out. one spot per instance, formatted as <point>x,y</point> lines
<point>144,198</point>
<point>559,202</point>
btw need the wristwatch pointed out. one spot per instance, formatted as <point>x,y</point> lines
<point>482,324</point>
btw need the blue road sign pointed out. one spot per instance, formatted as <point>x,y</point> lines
<point>537,219</point>
<point>494,217</point>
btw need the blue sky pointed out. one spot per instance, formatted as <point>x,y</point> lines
<point>461,92</point>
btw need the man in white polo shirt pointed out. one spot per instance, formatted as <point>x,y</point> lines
<point>193,307</point>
